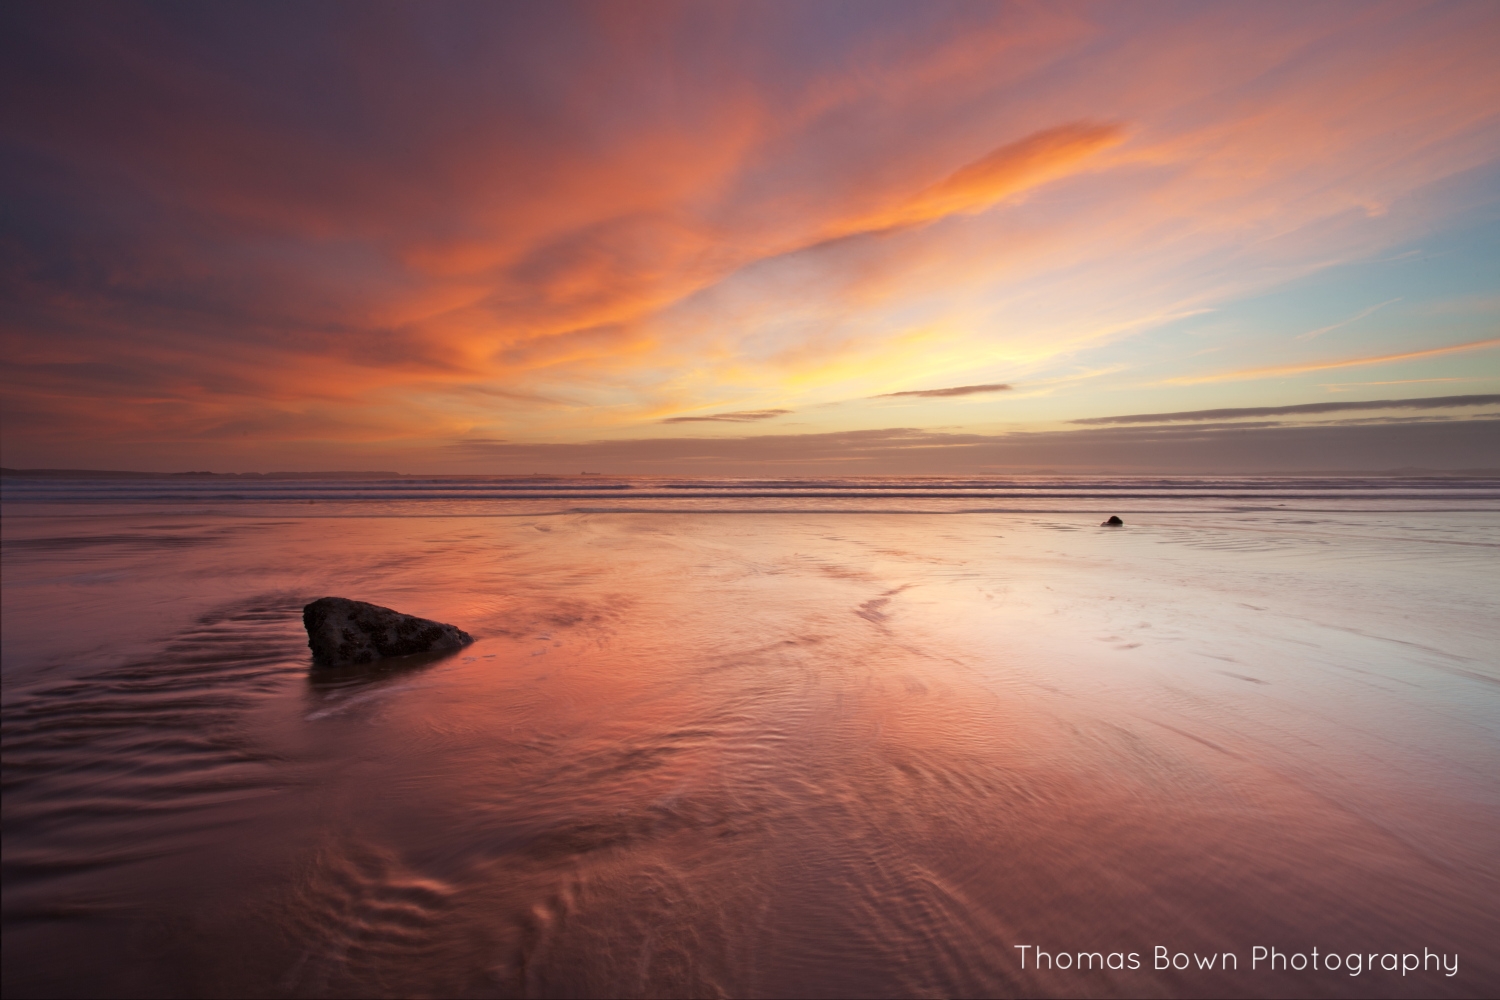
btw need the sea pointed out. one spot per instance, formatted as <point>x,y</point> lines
<point>839,737</point>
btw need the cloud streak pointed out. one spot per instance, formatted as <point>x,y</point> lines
<point>1317,366</point>
<point>957,390</point>
<point>1231,413</point>
<point>733,417</point>
<point>1352,319</point>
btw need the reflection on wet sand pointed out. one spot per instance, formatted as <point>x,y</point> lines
<point>323,677</point>
<point>719,754</point>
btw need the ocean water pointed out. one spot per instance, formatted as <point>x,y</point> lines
<point>847,737</point>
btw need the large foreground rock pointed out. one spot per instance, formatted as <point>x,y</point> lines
<point>342,632</point>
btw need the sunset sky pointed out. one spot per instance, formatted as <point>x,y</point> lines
<point>789,238</point>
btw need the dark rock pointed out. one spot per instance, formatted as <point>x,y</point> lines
<point>1113,522</point>
<point>342,632</point>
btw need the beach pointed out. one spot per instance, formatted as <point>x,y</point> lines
<point>791,738</point>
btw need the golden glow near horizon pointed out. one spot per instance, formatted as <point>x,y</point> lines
<point>387,247</point>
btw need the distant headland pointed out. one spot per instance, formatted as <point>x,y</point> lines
<point>117,474</point>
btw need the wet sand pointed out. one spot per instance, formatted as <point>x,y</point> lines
<point>718,754</point>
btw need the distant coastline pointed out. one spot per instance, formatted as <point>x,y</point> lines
<point>1409,472</point>
<point>120,474</point>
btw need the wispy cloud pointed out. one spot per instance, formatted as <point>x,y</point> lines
<point>1005,171</point>
<point>733,417</point>
<point>1230,413</point>
<point>957,390</point>
<point>1352,319</point>
<point>1349,386</point>
<point>1314,366</point>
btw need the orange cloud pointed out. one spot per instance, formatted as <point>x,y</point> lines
<point>1009,170</point>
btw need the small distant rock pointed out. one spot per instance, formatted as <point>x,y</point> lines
<point>342,633</point>
<point>1113,522</point>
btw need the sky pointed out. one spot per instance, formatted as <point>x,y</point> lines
<point>762,238</point>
